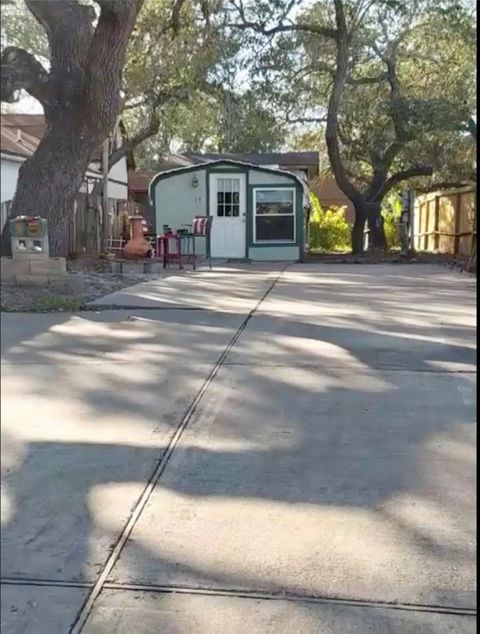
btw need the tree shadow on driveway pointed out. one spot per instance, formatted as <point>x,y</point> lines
<point>290,479</point>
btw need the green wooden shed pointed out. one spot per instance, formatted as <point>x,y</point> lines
<point>258,212</point>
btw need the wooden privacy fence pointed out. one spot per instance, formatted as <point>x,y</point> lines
<point>444,222</point>
<point>89,230</point>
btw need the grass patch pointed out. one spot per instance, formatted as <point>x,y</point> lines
<point>51,302</point>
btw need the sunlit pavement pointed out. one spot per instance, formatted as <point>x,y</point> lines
<point>248,449</point>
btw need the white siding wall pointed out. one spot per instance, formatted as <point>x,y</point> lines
<point>119,172</point>
<point>256,177</point>
<point>8,179</point>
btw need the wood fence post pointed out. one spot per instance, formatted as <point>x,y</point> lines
<point>436,237</point>
<point>105,201</point>
<point>426,237</point>
<point>457,224</point>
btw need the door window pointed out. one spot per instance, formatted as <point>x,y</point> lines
<point>228,197</point>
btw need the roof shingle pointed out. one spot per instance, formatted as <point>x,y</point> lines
<point>17,142</point>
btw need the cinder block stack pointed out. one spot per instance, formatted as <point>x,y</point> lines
<point>30,262</point>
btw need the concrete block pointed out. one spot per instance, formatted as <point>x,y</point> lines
<point>24,244</point>
<point>21,267</point>
<point>31,280</point>
<point>49,266</point>
<point>24,255</point>
<point>115,267</point>
<point>6,269</point>
<point>132,268</point>
<point>11,267</point>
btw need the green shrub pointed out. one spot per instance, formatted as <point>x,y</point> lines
<point>391,212</point>
<point>328,230</point>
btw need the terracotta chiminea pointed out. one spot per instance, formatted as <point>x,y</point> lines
<point>137,247</point>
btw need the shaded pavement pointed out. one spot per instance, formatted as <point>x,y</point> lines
<point>325,472</point>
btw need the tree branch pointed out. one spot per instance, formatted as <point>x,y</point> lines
<point>285,28</point>
<point>112,7</point>
<point>176,10</point>
<point>334,105</point>
<point>365,81</point>
<point>472,128</point>
<point>69,28</point>
<point>412,172</point>
<point>261,27</point>
<point>20,69</point>
<point>106,57</point>
<point>306,119</point>
<point>151,128</point>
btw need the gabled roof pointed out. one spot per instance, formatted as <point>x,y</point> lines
<point>32,128</point>
<point>31,124</point>
<point>284,159</point>
<point>18,143</point>
<point>139,180</point>
<point>204,164</point>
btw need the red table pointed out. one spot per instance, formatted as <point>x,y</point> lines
<point>163,247</point>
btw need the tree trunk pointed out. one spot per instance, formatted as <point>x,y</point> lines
<point>50,179</point>
<point>377,239</point>
<point>81,97</point>
<point>359,228</point>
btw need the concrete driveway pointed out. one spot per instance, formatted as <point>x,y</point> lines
<point>249,449</point>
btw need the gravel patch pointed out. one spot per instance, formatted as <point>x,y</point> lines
<point>69,295</point>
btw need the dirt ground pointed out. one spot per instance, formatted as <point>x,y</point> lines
<point>91,282</point>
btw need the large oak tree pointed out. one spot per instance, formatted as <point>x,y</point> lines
<point>81,96</point>
<point>378,75</point>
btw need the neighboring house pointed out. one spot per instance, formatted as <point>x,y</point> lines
<point>306,165</point>
<point>258,212</point>
<point>20,136</point>
<point>330,195</point>
<point>138,183</point>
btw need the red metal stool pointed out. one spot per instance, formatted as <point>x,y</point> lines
<point>163,248</point>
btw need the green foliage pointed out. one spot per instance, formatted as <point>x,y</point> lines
<point>246,125</point>
<point>391,213</point>
<point>328,230</point>
<point>20,28</point>
<point>197,63</point>
<point>420,119</point>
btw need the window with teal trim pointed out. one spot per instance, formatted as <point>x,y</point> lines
<point>274,215</point>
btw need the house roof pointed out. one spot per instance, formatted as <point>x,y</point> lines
<point>17,142</point>
<point>32,127</point>
<point>235,163</point>
<point>284,159</point>
<point>31,124</point>
<point>139,180</point>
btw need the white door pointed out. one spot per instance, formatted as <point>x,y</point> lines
<point>228,208</point>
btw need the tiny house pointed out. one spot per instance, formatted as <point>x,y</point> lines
<point>258,212</point>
